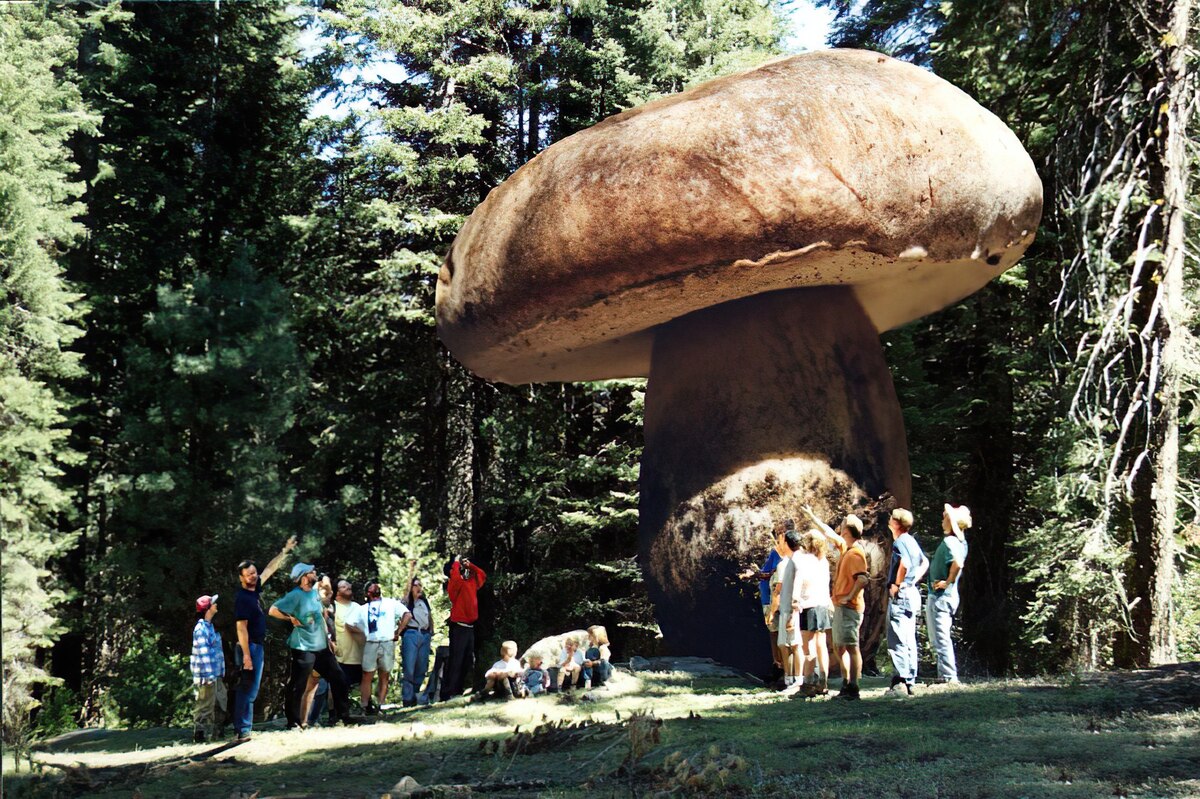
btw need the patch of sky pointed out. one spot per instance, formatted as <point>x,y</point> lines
<point>808,26</point>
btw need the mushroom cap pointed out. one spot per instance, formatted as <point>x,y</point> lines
<point>839,167</point>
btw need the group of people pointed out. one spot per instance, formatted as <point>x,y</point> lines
<point>583,660</point>
<point>334,644</point>
<point>807,605</point>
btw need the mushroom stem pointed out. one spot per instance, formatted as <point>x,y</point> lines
<point>754,408</point>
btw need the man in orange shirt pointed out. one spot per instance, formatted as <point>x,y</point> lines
<point>848,605</point>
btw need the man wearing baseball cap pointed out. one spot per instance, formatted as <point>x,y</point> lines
<point>208,670</point>
<point>944,571</point>
<point>309,647</point>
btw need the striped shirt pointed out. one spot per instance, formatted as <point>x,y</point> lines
<point>208,655</point>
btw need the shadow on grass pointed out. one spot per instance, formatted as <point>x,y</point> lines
<point>1031,739</point>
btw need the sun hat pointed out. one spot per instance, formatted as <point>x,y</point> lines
<point>960,519</point>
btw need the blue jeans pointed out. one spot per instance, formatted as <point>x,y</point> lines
<point>414,652</point>
<point>939,618</point>
<point>318,704</point>
<point>598,674</point>
<point>902,632</point>
<point>247,692</point>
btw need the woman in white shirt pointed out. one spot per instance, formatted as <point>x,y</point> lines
<point>815,602</point>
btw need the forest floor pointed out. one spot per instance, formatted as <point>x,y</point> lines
<point>1127,734</point>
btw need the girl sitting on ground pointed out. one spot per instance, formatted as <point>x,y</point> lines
<point>570,664</point>
<point>596,666</point>
<point>504,678</point>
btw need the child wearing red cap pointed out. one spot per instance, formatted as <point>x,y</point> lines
<point>208,669</point>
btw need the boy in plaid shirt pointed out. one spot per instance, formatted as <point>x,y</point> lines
<point>208,669</point>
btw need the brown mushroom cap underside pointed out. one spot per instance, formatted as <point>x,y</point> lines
<point>841,167</point>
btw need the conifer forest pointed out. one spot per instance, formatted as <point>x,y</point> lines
<point>221,230</point>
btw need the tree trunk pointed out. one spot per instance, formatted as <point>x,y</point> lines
<point>533,144</point>
<point>1159,313</point>
<point>457,495</point>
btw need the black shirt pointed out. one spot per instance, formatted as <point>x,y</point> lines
<point>247,606</point>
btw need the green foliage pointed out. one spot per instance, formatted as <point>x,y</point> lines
<point>150,685</point>
<point>211,396</point>
<point>59,712</point>
<point>193,373</point>
<point>539,482</point>
<point>1075,84</point>
<point>406,550</point>
<point>40,110</point>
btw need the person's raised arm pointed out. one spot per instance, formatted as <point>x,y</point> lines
<point>822,526</point>
<point>455,582</point>
<point>277,561</point>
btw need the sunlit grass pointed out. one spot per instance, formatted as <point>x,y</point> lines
<point>1002,738</point>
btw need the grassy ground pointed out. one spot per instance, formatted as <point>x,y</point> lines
<point>1132,735</point>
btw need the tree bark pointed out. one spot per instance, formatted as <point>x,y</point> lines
<point>1159,316</point>
<point>456,506</point>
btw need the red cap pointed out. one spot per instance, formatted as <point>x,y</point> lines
<point>205,602</point>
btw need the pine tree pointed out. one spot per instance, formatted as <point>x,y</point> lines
<point>40,109</point>
<point>193,373</point>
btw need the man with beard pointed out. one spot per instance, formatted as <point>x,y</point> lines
<point>309,645</point>
<point>251,634</point>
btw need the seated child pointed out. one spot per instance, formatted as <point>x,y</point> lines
<point>504,677</point>
<point>570,665</point>
<point>537,679</point>
<point>596,666</point>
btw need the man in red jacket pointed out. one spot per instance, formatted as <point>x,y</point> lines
<point>465,581</point>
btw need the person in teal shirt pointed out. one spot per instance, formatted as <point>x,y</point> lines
<point>945,569</point>
<point>310,647</point>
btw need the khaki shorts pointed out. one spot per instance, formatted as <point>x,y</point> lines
<point>379,655</point>
<point>846,623</point>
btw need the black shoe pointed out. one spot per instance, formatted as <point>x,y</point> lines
<point>199,737</point>
<point>849,691</point>
<point>908,687</point>
<point>896,680</point>
<point>410,703</point>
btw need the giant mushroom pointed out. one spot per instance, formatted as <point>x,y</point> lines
<point>743,244</point>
